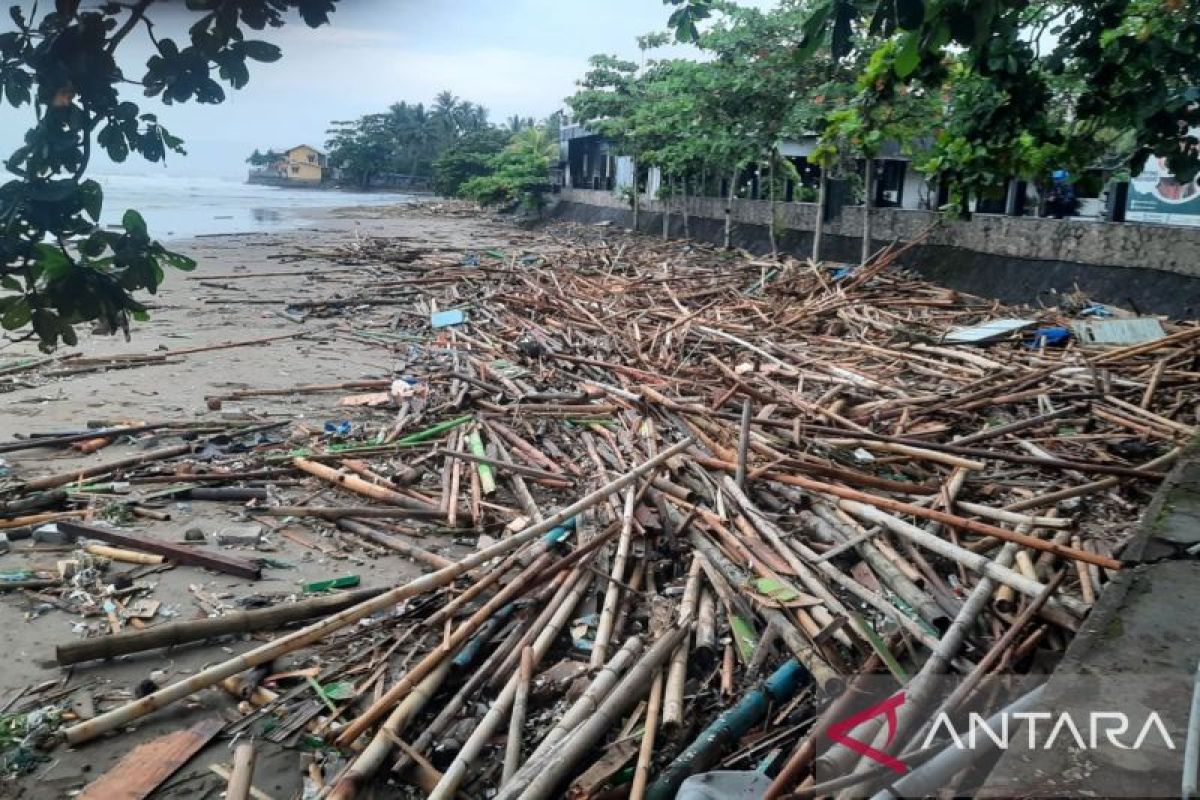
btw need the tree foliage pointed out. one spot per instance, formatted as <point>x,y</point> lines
<point>1022,85</point>
<point>519,174</point>
<point>470,157</point>
<point>58,266</point>
<point>407,138</point>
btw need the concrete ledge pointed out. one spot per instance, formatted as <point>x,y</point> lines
<point>1137,650</point>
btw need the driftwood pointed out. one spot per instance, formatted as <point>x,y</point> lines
<point>177,633</point>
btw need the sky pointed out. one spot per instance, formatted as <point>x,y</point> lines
<point>512,56</point>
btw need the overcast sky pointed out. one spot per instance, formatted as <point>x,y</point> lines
<point>512,56</point>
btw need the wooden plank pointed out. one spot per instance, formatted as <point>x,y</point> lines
<point>180,554</point>
<point>146,766</point>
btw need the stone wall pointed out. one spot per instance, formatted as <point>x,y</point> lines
<point>1150,268</point>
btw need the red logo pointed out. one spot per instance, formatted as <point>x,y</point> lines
<point>839,732</point>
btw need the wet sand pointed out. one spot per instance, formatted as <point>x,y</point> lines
<point>184,317</point>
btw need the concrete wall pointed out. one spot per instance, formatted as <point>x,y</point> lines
<point>1152,268</point>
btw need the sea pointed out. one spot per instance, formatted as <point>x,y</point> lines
<point>179,207</point>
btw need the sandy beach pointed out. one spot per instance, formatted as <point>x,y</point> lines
<point>188,313</point>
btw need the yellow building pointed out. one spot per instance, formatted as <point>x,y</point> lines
<point>301,164</point>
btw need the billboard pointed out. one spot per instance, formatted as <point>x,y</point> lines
<point>1156,196</point>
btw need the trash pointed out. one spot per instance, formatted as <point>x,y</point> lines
<point>444,319</point>
<point>344,582</point>
<point>1048,337</point>
<point>338,428</point>
<point>987,332</point>
<point>598,517</point>
<point>1119,331</point>
<point>240,536</point>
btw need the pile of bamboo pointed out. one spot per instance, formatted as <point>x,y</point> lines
<point>711,493</point>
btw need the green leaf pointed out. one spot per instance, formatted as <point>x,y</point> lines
<point>179,261</point>
<point>53,263</point>
<point>133,223</point>
<point>908,57</point>
<point>744,637</point>
<point>776,589</point>
<point>141,316</point>
<point>261,51</point>
<point>91,197</point>
<point>17,315</point>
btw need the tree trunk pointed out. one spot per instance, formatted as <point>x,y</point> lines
<point>819,227</point>
<point>635,194</point>
<point>774,204</point>
<point>729,207</point>
<point>683,206</point>
<point>663,182</point>
<point>868,189</point>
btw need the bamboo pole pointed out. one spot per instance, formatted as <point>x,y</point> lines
<point>175,633</point>
<point>859,499</point>
<point>612,593</point>
<point>677,671</point>
<point>973,561</point>
<point>516,721</point>
<point>591,698</point>
<point>454,775</point>
<point>538,780</point>
<point>242,775</point>
<point>641,771</point>
<point>353,483</point>
<point>118,717</point>
<point>120,554</point>
<point>373,756</point>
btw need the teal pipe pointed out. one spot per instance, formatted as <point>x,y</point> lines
<point>726,729</point>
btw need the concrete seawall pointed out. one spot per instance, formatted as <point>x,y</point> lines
<point>1151,268</point>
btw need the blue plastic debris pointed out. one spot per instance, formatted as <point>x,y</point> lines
<point>1096,310</point>
<point>444,319</point>
<point>842,273</point>
<point>470,260</point>
<point>338,427</point>
<point>1049,337</point>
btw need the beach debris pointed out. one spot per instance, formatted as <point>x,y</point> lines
<point>652,511</point>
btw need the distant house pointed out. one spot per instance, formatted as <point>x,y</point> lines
<point>300,165</point>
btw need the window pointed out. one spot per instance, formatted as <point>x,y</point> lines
<point>295,170</point>
<point>312,159</point>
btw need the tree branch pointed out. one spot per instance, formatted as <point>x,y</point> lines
<point>136,13</point>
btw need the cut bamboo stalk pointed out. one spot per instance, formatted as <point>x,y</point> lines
<point>974,561</point>
<point>591,698</point>
<point>176,633</point>
<point>677,671</point>
<point>394,543</point>
<point>1012,517</point>
<point>118,717</point>
<point>874,501</point>
<point>516,721</point>
<point>537,780</point>
<point>353,483</point>
<point>372,757</point>
<point>454,775</point>
<point>242,775</point>
<point>641,771</point>
<point>612,593</point>
<point>120,554</point>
